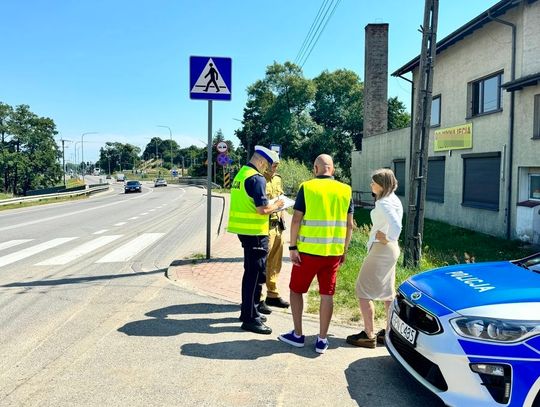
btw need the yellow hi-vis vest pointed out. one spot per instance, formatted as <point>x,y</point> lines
<point>324,225</point>
<point>243,216</point>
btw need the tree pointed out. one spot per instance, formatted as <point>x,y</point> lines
<point>30,158</point>
<point>309,117</point>
<point>397,115</point>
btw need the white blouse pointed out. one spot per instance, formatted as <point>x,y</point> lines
<point>386,217</point>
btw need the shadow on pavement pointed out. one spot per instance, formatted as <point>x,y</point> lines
<point>367,376</point>
<point>78,280</point>
<point>249,349</point>
<point>199,308</point>
<point>160,324</point>
<point>194,262</point>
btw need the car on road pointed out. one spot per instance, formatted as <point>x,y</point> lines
<point>471,333</point>
<point>132,186</point>
<point>160,182</point>
<point>120,177</point>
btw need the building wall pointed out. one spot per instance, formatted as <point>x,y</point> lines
<point>377,152</point>
<point>486,51</point>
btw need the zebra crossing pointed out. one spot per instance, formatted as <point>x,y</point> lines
<point>122,253</point>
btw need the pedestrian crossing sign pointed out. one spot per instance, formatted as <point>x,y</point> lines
<point>210,78</point>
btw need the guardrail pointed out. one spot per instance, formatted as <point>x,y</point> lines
<point>196,181</point>
<point>87,191</point>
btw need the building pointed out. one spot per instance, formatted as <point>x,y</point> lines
<point>484,148</point>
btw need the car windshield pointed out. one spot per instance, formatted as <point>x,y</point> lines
<point>531,262</point>
<point>133,182</point>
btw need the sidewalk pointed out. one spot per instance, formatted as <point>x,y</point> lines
<point>221,276</point>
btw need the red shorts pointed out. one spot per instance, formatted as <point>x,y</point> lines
<point>324,267</point>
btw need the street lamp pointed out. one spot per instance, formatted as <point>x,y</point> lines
<point>82,150</point>
<point>170,135</point>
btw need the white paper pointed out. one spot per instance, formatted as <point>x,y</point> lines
<point>288,202</point>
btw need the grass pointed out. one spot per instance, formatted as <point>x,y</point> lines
<point>42,202</point>
<point>443,245</point>
<point>5,196</point>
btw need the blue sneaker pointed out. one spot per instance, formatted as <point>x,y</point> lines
<point>321,346</point>
<point>292,339</point>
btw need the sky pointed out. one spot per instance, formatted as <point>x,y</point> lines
<point>120,68</point>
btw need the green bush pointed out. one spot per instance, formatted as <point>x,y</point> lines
<point>293,173</point>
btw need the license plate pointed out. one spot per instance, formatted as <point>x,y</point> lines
<point>403,329</point>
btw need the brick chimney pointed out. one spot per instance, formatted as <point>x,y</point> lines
<point>376,80</point>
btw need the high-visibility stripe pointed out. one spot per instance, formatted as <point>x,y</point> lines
<point>248,215</point>
<point>321,240</point>
<point>328,223</point>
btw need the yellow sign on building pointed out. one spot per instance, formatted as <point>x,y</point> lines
<point>453,138</point>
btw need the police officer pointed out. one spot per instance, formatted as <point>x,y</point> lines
<point>248,218</point>
<point>321,230</point>
<point>274,188</point>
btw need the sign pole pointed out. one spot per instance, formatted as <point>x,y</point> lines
<point>209,182</point>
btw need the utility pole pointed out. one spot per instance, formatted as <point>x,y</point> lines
<point>420,142</point>
<point>64,160</point>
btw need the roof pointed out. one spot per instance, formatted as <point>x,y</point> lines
<point>495,11</point>
<point>520,83</point>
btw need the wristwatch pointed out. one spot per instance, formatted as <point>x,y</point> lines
<point>293,247</point>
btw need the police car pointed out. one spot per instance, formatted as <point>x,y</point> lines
<point>471,333</point>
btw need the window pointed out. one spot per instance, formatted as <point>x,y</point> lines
<point>486,95</point>
<point>435,179</point>
<point>534,186</point>
<point>399,172</point>
<point>436,111</point>
<point>536,126</point>
<point>481,180</point>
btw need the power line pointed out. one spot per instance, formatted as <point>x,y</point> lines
<point>322,30</point>
<point>323,6</point>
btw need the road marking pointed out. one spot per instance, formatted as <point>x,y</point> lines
<point>79,251</point>
<point>119,223</point>
<point>11,243</point>
<point>151,210</point>
<point>99,232</point>
<point>129,250</point>
<point>144,213</point>
<point>133,218</point>
<point>30,251</point>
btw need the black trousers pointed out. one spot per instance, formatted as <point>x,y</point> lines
<point>255,253</point>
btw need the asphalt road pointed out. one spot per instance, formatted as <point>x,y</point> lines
<point>87,318</point>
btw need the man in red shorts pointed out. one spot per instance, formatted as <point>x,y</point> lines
<point>321,231</point>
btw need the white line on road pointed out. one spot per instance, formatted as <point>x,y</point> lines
<point>144,213</point>
<point>133,218</point>
<point>129,250</point>
<point>151,210</point>
<point>99,232</point>
<point>79,251</point>
<point>30,251</point>
<point>119,223</point>
<point>11,243</point>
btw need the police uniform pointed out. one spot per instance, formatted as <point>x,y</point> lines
<point>247,193</point>
<point>274,188</point>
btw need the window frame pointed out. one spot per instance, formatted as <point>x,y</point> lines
<point>432,198</point>
<point>476,106</point>
<point>531,198</point>
<point>475,204</point>
<point>439,98</point>
<point>536,117</point>
<point>399,191</point>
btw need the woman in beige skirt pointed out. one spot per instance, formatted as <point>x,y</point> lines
<point>377,277</point>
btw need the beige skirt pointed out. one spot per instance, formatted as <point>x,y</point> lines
<point>377,277</point>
